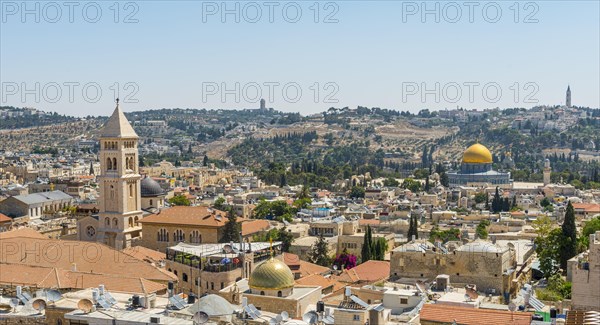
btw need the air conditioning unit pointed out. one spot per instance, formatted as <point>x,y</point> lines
<point>154,320</point>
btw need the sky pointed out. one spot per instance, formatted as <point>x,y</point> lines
<point>300,56</point>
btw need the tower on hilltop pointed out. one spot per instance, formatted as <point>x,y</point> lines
<point>568,100</point>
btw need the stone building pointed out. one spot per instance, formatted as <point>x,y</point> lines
<point>35,205</point>
<point>493,268</point>
<point>586,277</point>
<point>152,194</point>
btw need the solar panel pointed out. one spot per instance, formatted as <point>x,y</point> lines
<point>177,302</point>
<point>254,310</point>
<point>103,303</point>
<point>359,301</point>
<point>250,312</point>
<point>23,299</point>
<point>27,295</point>
<point>109,298</point>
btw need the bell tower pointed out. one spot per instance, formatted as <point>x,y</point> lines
<point>119,180</point>
<point>568,99</point>
<point>547,172</point>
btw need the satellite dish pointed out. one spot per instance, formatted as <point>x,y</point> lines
<point>14,302</point>
<point>310,317</point>
<point>278,318</point>
<point>53,295</point>
<point>512,306</point>
<point>200,317</point>
<point>285,316</point>
<point>273,321</point>
<point>472,293</point>
<point>39,304</point>
<point>85,305</point>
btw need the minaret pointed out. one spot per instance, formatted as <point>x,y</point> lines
<point>547,171</point>
<point>568,101</point>
<point>119,180</point>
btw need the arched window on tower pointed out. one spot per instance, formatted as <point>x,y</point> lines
<point>115,222</point>
<point>130,221</point>
<point>109,164</point>
<point>115,163</point>
<point>107,222</point>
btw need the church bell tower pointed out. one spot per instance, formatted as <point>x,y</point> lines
<point>568,99</point>
<point>119,180</point>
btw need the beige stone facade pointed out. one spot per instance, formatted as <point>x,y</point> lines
<point>586,277</point>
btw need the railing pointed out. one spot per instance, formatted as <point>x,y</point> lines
<point>222,267</point>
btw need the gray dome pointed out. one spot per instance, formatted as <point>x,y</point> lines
<point>151,188</point>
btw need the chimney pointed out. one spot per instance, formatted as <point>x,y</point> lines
<point>101,289</point>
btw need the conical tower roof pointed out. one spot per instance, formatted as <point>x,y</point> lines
<point>117,126</point>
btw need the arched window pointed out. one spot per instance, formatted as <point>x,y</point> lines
<point>107,222</point>
<point>178,235</point>
<point>115,222</point>
<point>135,220</point>
<point>163,235</point>
<point>115,163</point>
<point>184,277</point>
<point>130,190</point>
<point>150,202</point>
<point>130,222</point>
<point>109,164</point>
<point>175,271</point>
<point>279,294</point>
<point>195,237</point>
<point>262,293</point>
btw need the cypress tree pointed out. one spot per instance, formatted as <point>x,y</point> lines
<point>366,249</point>
<point>569,237</point>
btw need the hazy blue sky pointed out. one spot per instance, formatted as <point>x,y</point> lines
<point>370,53</point>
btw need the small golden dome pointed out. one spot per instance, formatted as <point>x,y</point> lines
<point>271,275</point>
<point>477,154</point>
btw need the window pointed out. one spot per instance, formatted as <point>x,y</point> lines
<point>150,202</point>
<point>163,235</point>
<point>109,165</point>
<point>115,222</point>
<point>130,190</point>
<point>184,277</point>
<point>107,222</point>
<point>114,163</point>
<point>178,235</point>
<point>195,237</point>
<point>279,294</point>
<point>130,222</point>
<point>403,301</point>
<point>222,285</point>
<point>175,272</point>
<point>212,286</point>
<point>262,293</point>
<point>356,317</point>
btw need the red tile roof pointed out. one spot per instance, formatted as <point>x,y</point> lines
<point>187,215</point>
<point>370,271</point>
<point>444,314</point>
<point>304,268</point>
<point>587,207</point>
<point>254,226</point>
<point>5,218</point>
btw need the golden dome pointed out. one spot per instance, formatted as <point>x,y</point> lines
<point>477,154</point>
<point>271,275</point>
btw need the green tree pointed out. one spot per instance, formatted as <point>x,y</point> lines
<point>357,192</point>
<point>205,160</point>
<point>451,234</point>
<point>590,227</point>
<point>231,230</point>
<point>365,253</point>
<point>411,184</point>
<point>569,234</point>
<point>481,229</point>
<point>219,203</point>
<point>391,182</point>
<point>413,227</point>
<point>277,210</point>
<point>180,200</point>
<point>481,197</point>
<point>319,253</point>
